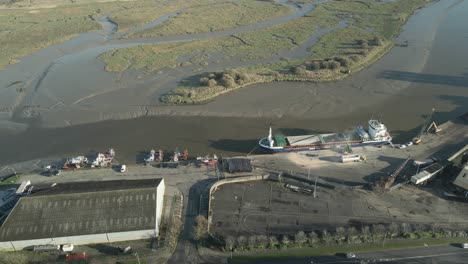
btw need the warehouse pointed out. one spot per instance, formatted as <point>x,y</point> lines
<point>85,213</point>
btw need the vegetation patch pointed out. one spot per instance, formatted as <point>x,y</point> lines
<point>370,25</point>
<point>216,16</point>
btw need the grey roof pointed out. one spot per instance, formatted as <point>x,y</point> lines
<point>96,207</point>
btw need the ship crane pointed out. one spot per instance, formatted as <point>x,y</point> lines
<point>386,183</point>
<point>418,139</point>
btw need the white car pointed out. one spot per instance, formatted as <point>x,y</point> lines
<point>350,255</point>
<point>464,245</point>
<point>409,144</point>
<point>123,168</point>
<point>402,146</point>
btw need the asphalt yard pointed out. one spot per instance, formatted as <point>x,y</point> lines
<point>267,207</point>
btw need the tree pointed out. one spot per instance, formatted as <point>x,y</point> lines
<point>326,237</point>
<point>351,235</point>
<point>312,239</point>
<point>241,242</point>
<point>201,228</point>
<point>285,242</point>
<point>340,235</point>
<point>262,241</point>
<point>251,242</point>
<point>365,234</point>
<point>354,58</point>
<point>394,230</point>
<point>365,45</point>
<point>272,242</point>
<point>300,238</point>
<point>229,243</point>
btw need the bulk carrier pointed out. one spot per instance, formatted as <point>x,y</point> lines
<point>376,134</point>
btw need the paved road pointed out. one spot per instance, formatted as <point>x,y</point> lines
<point>432,254</point>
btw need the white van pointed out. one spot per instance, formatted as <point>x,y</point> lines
<point>123,168</point>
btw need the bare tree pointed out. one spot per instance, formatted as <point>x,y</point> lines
<point>300,238</point>
<point>273,242</point>
<point>262,241</point>
<point>229,243</point>
<point>326,237</point>
<point>340,235</point>
<point>394,230</point>
<point>351,235</point>
<point>241,242</point>
<point>252,242</point>
<point>312,239</point>
<point>285,242</point>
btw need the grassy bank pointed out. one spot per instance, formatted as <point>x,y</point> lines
<point>308,252</point>
<point>365,39</point>
<point>25,29</point>
<point>209,16</point>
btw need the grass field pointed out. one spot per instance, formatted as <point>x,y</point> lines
<point>215,16</point>
<point>366,20</point>
<point>307,252</point>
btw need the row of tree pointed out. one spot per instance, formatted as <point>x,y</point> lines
<point>340,236</point>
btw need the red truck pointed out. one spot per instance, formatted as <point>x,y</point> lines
<point>73,256</point>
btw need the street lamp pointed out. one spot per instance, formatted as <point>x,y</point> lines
<point>138,258</point>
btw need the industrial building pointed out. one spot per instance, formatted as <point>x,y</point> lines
<point>85,213</point>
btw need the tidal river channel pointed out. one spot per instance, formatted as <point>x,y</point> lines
<point>401,88</point>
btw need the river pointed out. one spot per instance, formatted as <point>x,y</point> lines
<point>401,88</point>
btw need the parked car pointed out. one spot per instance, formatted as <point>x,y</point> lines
<point>464,245</point>
<point>123,168</point>
<point>350,255</point>
<point>402,146</point>
<point>409,144</point>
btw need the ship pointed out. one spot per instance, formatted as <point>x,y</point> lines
<point>376,134</point>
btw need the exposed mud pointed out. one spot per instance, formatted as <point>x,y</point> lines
<point>401,88</point>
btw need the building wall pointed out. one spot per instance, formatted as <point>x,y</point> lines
<point>159,204</point>
<point>78,240</point>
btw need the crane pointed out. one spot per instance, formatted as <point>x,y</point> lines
<point>417,139</point>
<point>386,183</point>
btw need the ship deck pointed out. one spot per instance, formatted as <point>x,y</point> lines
<point>322,138</point>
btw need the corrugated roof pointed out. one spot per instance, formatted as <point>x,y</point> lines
<point>96,207</point>
<point>462,178</point>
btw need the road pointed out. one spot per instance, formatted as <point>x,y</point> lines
<point>432,254</point>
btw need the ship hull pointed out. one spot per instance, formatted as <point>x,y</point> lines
<point>317,147</point>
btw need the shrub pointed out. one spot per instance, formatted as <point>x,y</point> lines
<point>204,81</point>
<point>324,64</point>
<point>300,70</point>
<point>212,83</point>
<point>343,61</point>
<point>227,81</point>
<point>229,243</point>
<point>333,65</point>
<point>361,41</point>
<point>314,66</point>
<point>377,41</point>
<point>354,58</point>
<point>364,52</point>
<point>365,45</point>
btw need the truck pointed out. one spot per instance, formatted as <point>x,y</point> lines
<point>351,158</point>
<point>424,163</point>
